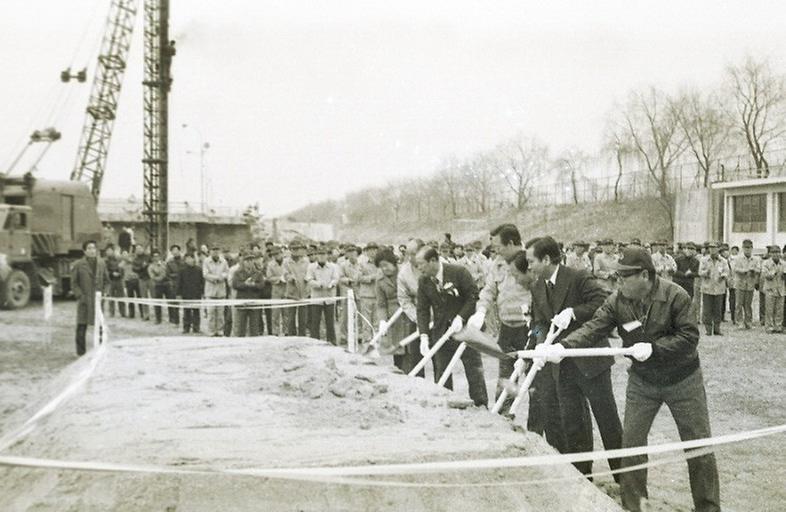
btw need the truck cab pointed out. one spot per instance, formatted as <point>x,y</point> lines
<point>15,237</point>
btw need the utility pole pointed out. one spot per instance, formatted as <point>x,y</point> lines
<point>157,83</point>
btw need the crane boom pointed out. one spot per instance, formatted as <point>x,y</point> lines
<point>102,106</point>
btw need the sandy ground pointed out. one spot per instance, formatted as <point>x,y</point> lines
<point>744,379</point>
<point>201,403</point>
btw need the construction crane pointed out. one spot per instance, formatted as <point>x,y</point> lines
<point>102,107</point>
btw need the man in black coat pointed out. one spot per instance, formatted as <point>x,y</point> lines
<point>448,293</point>
<point>570,297</point>
<point>190,284</point>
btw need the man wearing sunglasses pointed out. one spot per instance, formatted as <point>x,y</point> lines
<point>654,316</point>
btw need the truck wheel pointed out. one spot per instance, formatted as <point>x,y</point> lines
<point>16,293</point>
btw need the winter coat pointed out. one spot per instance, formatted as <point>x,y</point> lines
<point>85,283</point>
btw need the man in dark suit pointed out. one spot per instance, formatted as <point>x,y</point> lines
<point>448,292</point>
<point>570,297</point>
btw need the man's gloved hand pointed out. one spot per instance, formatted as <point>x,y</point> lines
<point>423,344</point>
<point>477,319</point>
<point>564,318</point>
<point>383,327</point>
<point>458,324</point>
<point>642,351</point>
<point>549,353</point>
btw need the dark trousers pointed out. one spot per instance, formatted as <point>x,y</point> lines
<point>116,289</point>
<point>247,322</point>
<point>174,313</point>
<point>743,302</point>
<point>762,308</point>
<point>412,355</point>
<point>160,291</point>
<point>267,293</point>
<point>299,312</point>
<point>574,390</point>
<point>473,368</point>
<point>733,305</point>
<point>191,319</point>
<point>510,339</point>
<point>711,312</point>
<point>317,311</point>
<point>544,412</point>
<point>687,402</point>
<point>133,291</point>
<point>81,333</point>
<point>228,320</point>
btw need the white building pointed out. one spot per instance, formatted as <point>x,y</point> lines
<point>754,209</point>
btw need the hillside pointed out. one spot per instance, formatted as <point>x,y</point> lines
<point>640,218</point>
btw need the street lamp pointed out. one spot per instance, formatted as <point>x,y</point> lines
<point>203,147</point>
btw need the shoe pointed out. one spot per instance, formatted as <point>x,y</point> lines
<point>196,331</point>
<point>718,333</point>
<point>185,331</point>
<point>708,331</point>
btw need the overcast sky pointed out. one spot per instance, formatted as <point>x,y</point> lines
<point>303,101</point>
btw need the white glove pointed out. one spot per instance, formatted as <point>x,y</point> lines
<point>549,353</point>
<point>383,327</point>
<point>642,351</point>
<point>538,363</point>
<point>518,365</point>
<point>564,318</point>
<point>477,319</point>
<point>423,344</point>
<point>458,324</point>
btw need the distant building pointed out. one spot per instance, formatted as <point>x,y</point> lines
<point>754,209</point>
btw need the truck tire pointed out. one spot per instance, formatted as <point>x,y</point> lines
<point>16,290</point>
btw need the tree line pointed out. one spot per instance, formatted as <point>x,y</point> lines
<point>736,128</point>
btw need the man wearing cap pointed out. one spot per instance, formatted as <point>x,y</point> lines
<point>773,270</point>
<point>714,272</point>
<point>687,272</point>
<point>274,273</point>
<point>350,271</point>
<point>578,259</point>
<point>216,272</point>
<point>322,277</point>
<point>446,253</point>
<point>635,242</point>
<point>503,293</point>
<point>745,268</point>
<point>654,317</point>
<point>247,282</point>
<point>295,269</point>
<point>665,266</point>
<point>367,292</point>
<point>604,264</point>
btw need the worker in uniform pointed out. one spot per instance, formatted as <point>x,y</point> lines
<point>653,316</point>
<point>604,265</point>
<point>247,282</point>
<point>714,273</point>
<point>139,284</point>
<point>295,268</point>
<point>350,271</point>
<point>216,272</point>
<point>274,273</point>
<point>88,276</point>
<point>407,296</point>
<point>511,301</point>
<point>158,278</point>
<point>173,267</point>
<point>578,258</point>
<point>367,292</point>
<point>687,272</point>
<point>745,269</point>
<point>322,277</point>
<point>190,286</point>
<point>116,289</point>
<point>665,266</point>
<point>773,271</point>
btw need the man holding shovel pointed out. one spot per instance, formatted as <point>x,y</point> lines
<point>655,315</point>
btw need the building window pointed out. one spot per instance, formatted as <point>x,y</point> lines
<point>750,214</point>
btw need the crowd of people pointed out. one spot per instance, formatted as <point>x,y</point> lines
<point>652,296</point>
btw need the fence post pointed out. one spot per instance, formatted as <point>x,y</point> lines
<point>97,321</point>
<point>352,340</point>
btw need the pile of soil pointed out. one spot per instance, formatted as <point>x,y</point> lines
<point>207,403</point>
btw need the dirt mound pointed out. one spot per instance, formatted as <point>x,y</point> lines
<point>202,403</point>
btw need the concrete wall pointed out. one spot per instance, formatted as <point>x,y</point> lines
<point>232,236</point>
<point>698,216</point>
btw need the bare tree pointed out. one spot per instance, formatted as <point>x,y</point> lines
<point>520,162</point>
<point>479,173</point>
<point>759,101</point>
<point>618,142</point>
<point>574,161</point>
<point>654,130</point>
